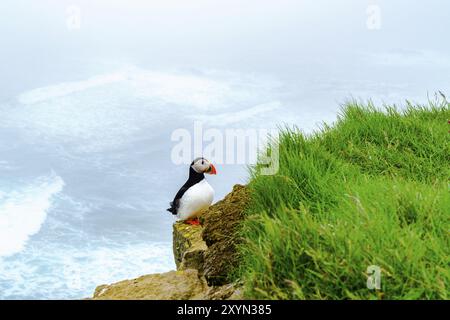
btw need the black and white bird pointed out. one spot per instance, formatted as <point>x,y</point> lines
<point>196,194</point>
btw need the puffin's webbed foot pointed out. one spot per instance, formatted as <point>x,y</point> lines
<point>193,222</point>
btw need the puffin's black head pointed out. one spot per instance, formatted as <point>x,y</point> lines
<point>201,165</point>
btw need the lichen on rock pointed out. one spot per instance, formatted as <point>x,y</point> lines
<point>188,246</point>
<point>172,285</point>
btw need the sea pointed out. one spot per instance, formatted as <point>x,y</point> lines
<point>93,95</point>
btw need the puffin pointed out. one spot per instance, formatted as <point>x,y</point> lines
<point>196,194</point>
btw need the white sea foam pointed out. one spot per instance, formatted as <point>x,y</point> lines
<point>66,88</point>
<point>251,114</point>
<point>23,211</point>
<point>60,272</point>
<point>204,91</point>
<point>107,111</point>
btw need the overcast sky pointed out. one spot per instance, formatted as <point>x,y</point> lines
<point>282,38</point>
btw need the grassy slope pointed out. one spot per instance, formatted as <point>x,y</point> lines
<point>370,190</point>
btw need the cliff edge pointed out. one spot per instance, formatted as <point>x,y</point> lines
<point>204,256</point>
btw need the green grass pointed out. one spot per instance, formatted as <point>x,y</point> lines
<point>372,189</point>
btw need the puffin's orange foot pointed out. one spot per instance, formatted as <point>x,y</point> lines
<point>193,222</point>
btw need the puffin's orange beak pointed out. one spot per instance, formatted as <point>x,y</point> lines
<point>212,169</point>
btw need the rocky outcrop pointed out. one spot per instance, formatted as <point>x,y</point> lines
<point>204,256</point>
<point>220,233</point>
<point>172,285</point>
<point>188,246</point>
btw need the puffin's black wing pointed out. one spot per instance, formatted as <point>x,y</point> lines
<point>175,204</point>
<point>194,177</point>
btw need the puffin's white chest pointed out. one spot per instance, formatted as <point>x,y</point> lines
<point>195,199</point>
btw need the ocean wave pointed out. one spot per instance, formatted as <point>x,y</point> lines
<point>203,91</point>
<point>24,210</point>
<point>107,111</point>
<point>55,271</point>
<point>241,116</point>
<point>66,88</point>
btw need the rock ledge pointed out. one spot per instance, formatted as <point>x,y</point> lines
<point>203,255</point>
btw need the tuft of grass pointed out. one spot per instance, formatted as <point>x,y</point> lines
<point>370,190</point>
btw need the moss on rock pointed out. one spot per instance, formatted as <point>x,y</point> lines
<point>220,232</point>
<point>188,246</point>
